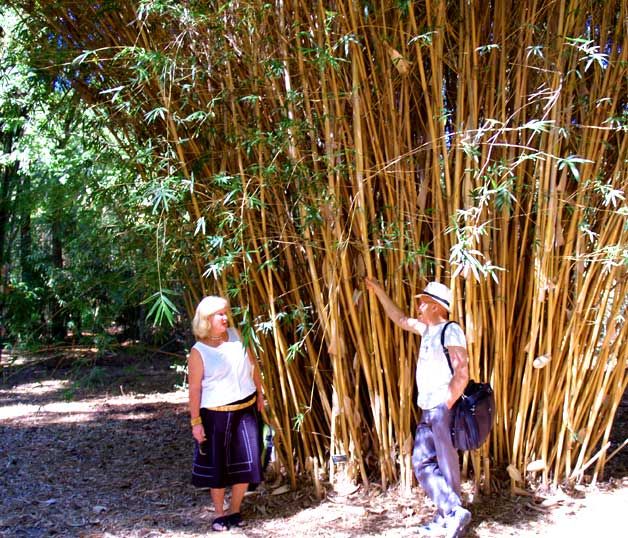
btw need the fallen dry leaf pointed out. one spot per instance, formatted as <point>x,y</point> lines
<point>281,490</point>
<point>535,466</point>
<point>514,473</point>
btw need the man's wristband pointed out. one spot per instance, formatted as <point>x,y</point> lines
<point>196,421</point>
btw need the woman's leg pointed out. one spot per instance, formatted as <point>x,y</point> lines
<point>218,497</point>
<point>237,494</point>
<point>221,521</point>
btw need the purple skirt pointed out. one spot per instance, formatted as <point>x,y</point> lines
<point>231,453</point>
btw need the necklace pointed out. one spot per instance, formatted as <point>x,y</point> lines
<point>216,338</point>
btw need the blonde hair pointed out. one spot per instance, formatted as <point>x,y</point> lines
<point>208,306</point>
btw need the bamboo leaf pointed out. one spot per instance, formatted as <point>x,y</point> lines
<point>152,115</point>
<point>200,226</point>
<point>539,126</point>
<point>485,49</point>
<point>571,162</point>
<point>86,55</point>
<point>162,307</point>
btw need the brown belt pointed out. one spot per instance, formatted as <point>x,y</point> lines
<point>234,407</point>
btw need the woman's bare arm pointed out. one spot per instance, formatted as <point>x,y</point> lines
<point>257,379</point>
<point>195,377</point>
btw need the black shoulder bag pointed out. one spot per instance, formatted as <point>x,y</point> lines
<point>473,413</point>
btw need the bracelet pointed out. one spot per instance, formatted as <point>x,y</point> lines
<point>196,421</point>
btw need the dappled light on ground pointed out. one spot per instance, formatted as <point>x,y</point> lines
<point>94,462</point>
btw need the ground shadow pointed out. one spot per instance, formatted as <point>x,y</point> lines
<point>119,464</point>
<point>123,470</point>
<point>101,461</point>
<point>80,373</point>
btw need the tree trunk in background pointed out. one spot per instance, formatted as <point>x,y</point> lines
<point>9,173</point>
<point>58,314</point>
<point>4,220</point>
<point>26,239</point>
<point>4,211</point>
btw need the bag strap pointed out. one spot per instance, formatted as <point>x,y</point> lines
<point>442,343</point>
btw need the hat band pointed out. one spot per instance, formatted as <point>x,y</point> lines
<point>437,298</point>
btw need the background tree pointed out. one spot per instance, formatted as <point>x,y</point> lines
<point>76,237</point>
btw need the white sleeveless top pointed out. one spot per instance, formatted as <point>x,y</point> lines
<point>432,371</point>
<point>227,372</point>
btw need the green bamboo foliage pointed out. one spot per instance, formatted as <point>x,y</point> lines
<point>314,144</point>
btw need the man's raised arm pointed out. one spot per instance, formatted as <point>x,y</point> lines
<point>395,313</point>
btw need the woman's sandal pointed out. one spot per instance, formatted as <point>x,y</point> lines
<point>221,524</point>
<point>235,520</point>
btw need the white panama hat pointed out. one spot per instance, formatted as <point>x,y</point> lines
<point>439,293</point>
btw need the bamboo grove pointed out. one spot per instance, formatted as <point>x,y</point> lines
<point>306,145</point>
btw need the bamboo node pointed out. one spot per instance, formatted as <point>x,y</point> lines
<point>402,65</point>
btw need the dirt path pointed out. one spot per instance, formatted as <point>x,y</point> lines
<point>111,458</point>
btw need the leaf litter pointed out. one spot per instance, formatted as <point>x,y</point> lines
<point>114,461</point>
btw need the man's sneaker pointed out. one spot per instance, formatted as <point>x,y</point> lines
<point>436,527</point>
<point>456,522</point>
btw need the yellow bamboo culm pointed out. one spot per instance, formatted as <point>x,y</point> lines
<point>482,145</point>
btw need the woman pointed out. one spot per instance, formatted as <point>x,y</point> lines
<point>224,391</point>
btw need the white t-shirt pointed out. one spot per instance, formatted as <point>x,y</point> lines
<point>432,371</point>
<point>227,372</point>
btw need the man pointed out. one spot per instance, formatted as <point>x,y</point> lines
<point>434,458</point>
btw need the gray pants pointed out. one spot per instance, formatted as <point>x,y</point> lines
<point>435,460</point>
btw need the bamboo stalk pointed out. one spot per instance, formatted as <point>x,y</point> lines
<point>366,141</point>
